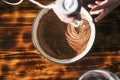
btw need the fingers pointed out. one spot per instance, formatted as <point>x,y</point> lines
<point>98,2</point>
<point>100,16</point>
<point>67,19</point>
<point>99,9</point>
<point>64,18</point>
<point>92,6</point>
<point>100,13</point>
<point>96,12</point>
<point>99,5</point>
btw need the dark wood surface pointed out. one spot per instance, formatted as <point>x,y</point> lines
<point>20,60</point>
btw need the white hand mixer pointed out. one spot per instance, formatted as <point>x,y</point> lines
<point>64,6</point>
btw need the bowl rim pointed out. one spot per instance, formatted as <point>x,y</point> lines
<point>104,72</point>
<point>63,61</point>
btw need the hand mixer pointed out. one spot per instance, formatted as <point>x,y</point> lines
<point>66,7</point>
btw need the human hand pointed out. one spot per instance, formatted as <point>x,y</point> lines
<point>102,8</point>
<point>68,18</point>
<point>63,17</point>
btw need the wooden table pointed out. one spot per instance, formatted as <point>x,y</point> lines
<point>20,60</point>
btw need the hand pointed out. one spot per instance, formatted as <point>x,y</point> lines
<point>102,8</point>
<point>63,17</point>
<point>67,18</point>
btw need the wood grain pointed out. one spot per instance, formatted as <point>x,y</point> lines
<point>21,61</point>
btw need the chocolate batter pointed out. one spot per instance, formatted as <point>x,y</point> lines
<point>60,40</point>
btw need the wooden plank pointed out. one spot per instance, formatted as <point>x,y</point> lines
<point>20,60</point>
